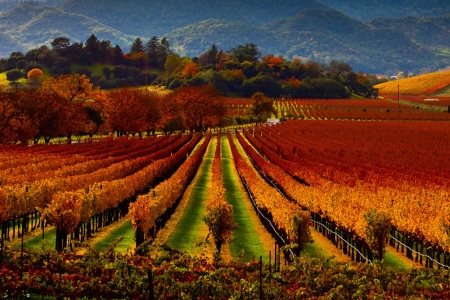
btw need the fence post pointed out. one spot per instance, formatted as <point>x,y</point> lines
<point>260,278</point>
<point>150,284</point>
<point>270,258</point>
<point>21,250</point>
<point>1,251</point>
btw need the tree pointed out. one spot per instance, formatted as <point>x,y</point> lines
<point>138,59</point>
<point>190,69</point>
<point>117,57</point>
<point>163,52</point>
<point>46,111</point>
<point>210,58</point>
<point>262,105</point>
<point>92,48</point>
<point>173,61</point>
<point>131,111</point>
<point>151,48</point>
<point>249,52</point>
<point>338,70</point>
<point>60,44</point>
<point>14,125</point>
<point>14,76</point>
<point>75,90</point>
<point>219,217</point>
<point>200,107</point>
<point>35,75</point>
<point>137,46</point>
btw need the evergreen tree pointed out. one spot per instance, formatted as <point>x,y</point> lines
<point>137,46</point>
<point>151,48</point>
<point>163,52</point>
<point>117,58</point>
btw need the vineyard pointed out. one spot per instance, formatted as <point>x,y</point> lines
<point>338,109</point>
<point>363,185</point>
<point>426,84</point>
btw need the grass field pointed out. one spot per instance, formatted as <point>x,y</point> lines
<point>187,232</point>
<point>126,235</point>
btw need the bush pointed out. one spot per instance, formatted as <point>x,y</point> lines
<point>84,71</point>
<point>176,83</point>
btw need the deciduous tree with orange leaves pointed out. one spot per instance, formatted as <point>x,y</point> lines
<point>131,111</point>
<point>35,75</point>
<point>190,69</point>
<point>78,92</point>
<point>200,107</point>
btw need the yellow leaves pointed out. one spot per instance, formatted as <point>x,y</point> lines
<point>148,208</point>
<point>71,87</point>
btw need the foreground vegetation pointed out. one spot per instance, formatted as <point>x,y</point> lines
<point>175,275</point>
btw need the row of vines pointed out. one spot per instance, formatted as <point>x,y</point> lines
<point>345,171</point>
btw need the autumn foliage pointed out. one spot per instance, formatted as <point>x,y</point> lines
<point>418,85</point>
<point>219,213</point>
<point>362,166</point>
<point>148,208</point>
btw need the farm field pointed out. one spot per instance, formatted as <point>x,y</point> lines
<point>425,84</point>
<point>409,108</point>
<point>155,189</point>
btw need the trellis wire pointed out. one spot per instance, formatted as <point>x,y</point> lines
<point>281,192</point>
<point>423,255</point>
<point>350,245</point>
<point>261,214</point>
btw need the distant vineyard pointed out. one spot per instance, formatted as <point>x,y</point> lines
<point>338,109</point>
<point>425,84</point>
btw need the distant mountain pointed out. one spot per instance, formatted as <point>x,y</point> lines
<point>196,38</point>
<point>10,4</point>
<point>429,31</point>
<point>307,36</point>
<point>306,29</point>
<point>371,9</point>
<point>30,26</point>
<point>147,18</point>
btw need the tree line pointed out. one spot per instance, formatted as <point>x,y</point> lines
<point>238,71</point>
<point>71,105</point>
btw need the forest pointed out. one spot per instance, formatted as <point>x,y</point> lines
<point>240,71</point>
<point>377,46</point>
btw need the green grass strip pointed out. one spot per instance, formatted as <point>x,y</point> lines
<point>125,231</point>
<point>185,235</point>
<point>391,260</point>
<point>36,243</point>
<point>245,236</point>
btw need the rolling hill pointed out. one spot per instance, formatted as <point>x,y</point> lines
<point>371,9</point>
<point>306,29</point>
<point>31,25</point>
<point>146,18</point>
<point>425,84</point>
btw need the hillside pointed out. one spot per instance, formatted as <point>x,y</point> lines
<point>196,38</point>
<point>429,31</point>
<point>297,29</point>
<point>370,9</point>
<point>6,5</point>
<point>426,84</point>
<point>30,26</point>
<point>305,35</point>
<point>153,17</point>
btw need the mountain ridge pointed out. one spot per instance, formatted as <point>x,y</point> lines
<point>380,45</point>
